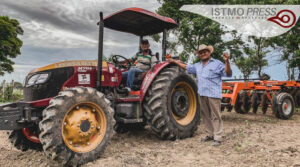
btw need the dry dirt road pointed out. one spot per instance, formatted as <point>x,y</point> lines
<point>250,140</point>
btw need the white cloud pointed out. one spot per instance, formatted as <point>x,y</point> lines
<point>46,35</point>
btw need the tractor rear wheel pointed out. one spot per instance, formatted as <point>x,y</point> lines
<point>283,105</point>
<point>19,140</point>
<point>76,126</point>
<point>171,104</point>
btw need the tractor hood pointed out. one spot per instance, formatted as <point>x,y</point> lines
<point>68,64</point>
<point>138,21</point>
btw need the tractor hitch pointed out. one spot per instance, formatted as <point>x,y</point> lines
<point>14,116</point>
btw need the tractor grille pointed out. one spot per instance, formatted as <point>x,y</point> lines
<point>57,77</point>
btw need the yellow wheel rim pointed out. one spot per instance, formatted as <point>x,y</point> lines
<point>187,92</point>
<point>84,127</point>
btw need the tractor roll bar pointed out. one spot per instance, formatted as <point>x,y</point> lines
<point>141,38</point>
<point>100,51</point>
<point>164,45</point>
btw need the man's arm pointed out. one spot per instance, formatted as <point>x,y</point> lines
<point>133,58</point>
<point>182,65</point>
<point>125,61</point>
<point>191,69</point>
<point>227,64</point>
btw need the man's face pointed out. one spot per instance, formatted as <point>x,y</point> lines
<point>145,47</point>
<point>204,54</point>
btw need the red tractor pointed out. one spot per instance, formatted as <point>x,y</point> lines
<point>71,108</point>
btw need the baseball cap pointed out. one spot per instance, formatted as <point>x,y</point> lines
<point>145,41</point>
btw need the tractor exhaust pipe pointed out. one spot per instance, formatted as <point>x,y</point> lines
<point>100,51</point>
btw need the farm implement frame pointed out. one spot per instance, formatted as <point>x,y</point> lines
<point>242,95</point>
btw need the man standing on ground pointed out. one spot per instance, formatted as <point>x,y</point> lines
<point>209,72</point>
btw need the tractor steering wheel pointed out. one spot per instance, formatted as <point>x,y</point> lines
<point>119,64</point>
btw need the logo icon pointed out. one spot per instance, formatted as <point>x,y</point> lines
<point>284,18</point>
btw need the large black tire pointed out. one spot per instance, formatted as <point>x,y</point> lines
<point>283,105</point>
<point>51,126</point>
<point>20,142</point>
<point>254,102</point>
<point>274,105</point>
<point>159,106</point>
<point>264,103</point>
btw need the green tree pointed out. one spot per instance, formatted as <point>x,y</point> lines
<point>108,58</point>
<point>289,44</point>
<point>10,44</point>
<point>18,85</point>
<point>194,30</point>
<point>258,52</point>
<point>246,65</point>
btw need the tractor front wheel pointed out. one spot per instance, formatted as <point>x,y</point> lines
<point>171,107</point>
<point>76,126</point>
<point>21,139</point>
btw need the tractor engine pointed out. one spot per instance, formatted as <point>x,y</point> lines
<point>47,82</point>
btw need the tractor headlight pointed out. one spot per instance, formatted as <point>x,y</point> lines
<point>42,78</point>
<point>37,79</point>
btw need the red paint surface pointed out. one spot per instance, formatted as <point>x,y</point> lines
<point>163,18</point>
<point>150,77</point>
<point>31,136</point>
<point>40,103</point>
<point>73,81</point>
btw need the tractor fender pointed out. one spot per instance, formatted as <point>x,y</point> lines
<point>150,77</point>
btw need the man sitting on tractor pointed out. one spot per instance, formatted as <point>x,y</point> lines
<point>142,63</point>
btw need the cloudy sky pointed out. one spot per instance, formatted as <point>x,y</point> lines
<point>56,30</point>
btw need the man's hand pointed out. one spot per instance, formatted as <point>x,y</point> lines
<point>226,57</point>
<point>227,64</point>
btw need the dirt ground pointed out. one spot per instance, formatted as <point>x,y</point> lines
<point>250,140</point>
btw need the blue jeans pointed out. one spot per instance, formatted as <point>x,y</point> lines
<point>130,75</point>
